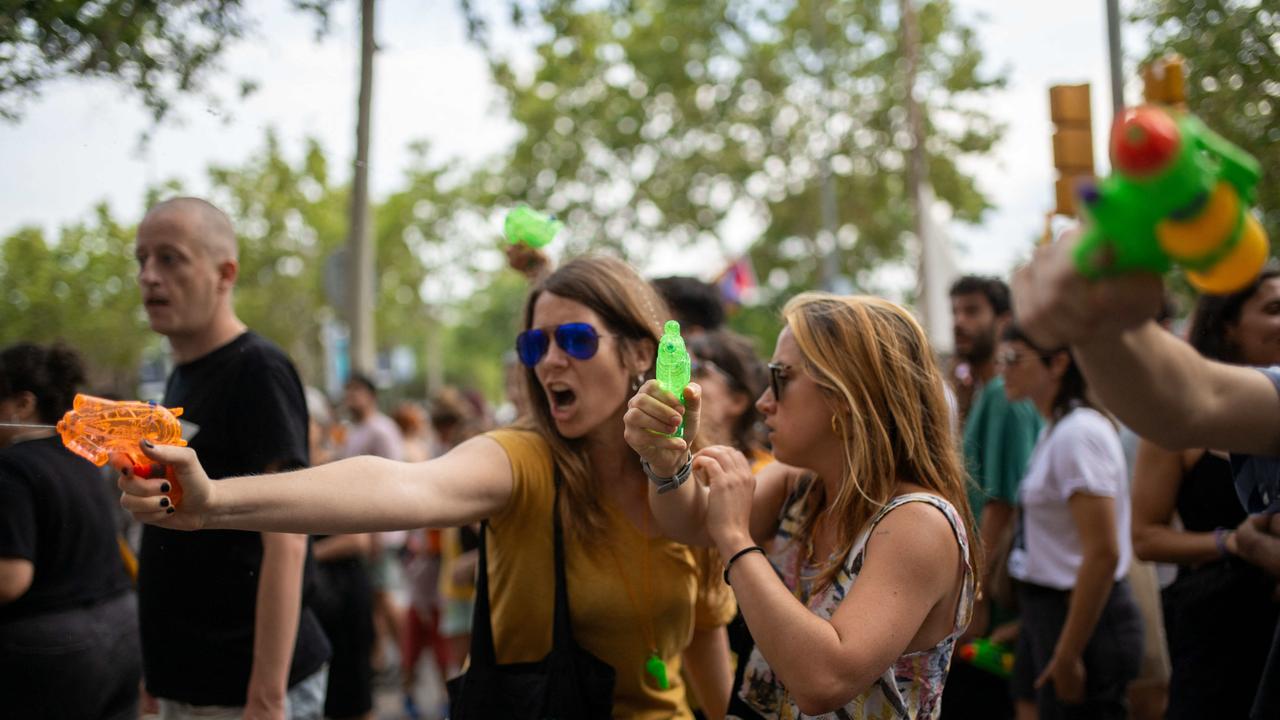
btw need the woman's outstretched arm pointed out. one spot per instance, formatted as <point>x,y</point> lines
<point>361,494</point>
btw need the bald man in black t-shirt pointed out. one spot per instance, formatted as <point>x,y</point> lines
<point>223,621</point>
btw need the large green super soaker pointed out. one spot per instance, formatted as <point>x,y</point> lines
<point>526,226</point>
<point>673,368</point>
<point>1179,193</point>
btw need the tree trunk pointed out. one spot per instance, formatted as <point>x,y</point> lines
<point>360,241</point>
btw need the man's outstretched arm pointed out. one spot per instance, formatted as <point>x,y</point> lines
<point>1155,383</point>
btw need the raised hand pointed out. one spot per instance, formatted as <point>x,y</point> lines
<point>1056,306</point>
<point>652,415</point>
<point>727,473</point>
<point>528,261</point>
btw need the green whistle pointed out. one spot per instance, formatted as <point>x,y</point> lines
<point>658,669</point>
<point>526,226</point>
<point>673,368</point>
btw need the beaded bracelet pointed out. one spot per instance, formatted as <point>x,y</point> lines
<point>1220,541</point>
<point>740,553</point>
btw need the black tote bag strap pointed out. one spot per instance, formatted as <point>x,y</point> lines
<point>482,647</point>
<point>482,653</point>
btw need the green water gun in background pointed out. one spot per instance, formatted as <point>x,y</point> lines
<point>1179,193</point>
<point>673,367</point>
<point>986,655</point>
<point>526,226</point>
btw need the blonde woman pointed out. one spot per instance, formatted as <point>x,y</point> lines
<point>869,576</point>
<point>637,601</point>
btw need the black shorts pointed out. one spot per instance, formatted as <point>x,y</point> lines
<point>1112,657</point>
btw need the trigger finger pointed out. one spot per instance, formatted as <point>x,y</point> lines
<point>120,461</point>
<point>150,470</point>
<point>656,406</point>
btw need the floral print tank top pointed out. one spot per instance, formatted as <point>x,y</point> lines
<point>910,689</point>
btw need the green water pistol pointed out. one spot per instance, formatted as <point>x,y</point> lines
<point>673,367</point>
<point>984,654</point>
<point>526,226</point>
<point>1179,193</point>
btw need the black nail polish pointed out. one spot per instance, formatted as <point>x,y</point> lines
<point>128,471</point>
<point>147,443</point>
<point>170,511</point>
<point>164,502</point>
<point>164,487</point>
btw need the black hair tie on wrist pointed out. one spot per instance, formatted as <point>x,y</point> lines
<point>740,553</point>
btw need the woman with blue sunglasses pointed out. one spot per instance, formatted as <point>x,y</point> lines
<point>641,603</point>
<point>850,562</point>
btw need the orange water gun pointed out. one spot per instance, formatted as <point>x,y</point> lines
<point>95,428</point>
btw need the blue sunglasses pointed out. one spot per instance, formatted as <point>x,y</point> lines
<point>577,340</point>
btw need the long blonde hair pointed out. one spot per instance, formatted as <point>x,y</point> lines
<point>874,360</point>
<point>631,309</point>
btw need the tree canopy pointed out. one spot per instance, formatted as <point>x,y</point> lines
<point>1233,70</point>
<point>290,219</point>
<point>647,123</point>
<point>160,49</point>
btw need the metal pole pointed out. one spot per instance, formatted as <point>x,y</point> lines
<point>1117,57</point>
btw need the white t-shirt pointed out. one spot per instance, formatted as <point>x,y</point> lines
<point>1081,453</point>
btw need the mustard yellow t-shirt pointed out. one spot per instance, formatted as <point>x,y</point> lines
<point>603,614</point>
<point>759,460</point>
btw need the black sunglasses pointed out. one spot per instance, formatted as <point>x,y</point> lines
<point>778,379</point>
<point>578,340</point>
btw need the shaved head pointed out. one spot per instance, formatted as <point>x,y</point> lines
<point>187,270</point>
<point>199,220</point>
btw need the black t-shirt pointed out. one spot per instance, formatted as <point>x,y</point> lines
<point>197,591</point>
<point>56,511</point>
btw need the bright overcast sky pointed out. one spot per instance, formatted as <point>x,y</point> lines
<point>77,143</point>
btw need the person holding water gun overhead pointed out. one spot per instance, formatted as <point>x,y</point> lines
<point>573,567</point>
<point>527,232</point>
<point>1161,387</point>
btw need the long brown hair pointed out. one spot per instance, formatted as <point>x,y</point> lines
<point>875,360</point>
<point>631,309</point>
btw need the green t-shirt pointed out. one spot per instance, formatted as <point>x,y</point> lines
<point>998,439</point>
